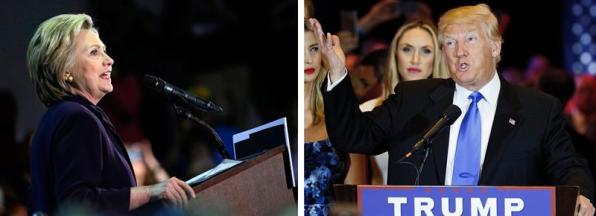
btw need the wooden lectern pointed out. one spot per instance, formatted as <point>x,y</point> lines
<point>256,187</point>
<point>364,199</point>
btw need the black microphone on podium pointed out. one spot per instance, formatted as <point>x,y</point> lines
<point>183,102</point>
<point>447,118</point>
<point>180,95</point>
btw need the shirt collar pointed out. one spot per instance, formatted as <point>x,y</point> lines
<point>490,91</point>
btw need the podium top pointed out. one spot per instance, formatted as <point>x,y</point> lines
<point>250,143</point>
<point>238,169</point>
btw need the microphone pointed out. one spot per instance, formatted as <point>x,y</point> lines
<point>180,95</point>
<point>447,118</point>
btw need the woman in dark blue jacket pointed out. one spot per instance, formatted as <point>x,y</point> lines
<point>77,158</point>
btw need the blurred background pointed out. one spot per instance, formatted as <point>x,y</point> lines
<point>561,31</point>
<point>239,54</point>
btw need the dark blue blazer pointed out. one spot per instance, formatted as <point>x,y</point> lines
<point>528,144</point>
<point>77,158</point>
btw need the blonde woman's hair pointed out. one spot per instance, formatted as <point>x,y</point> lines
<point>51,53</point>
<point>480,14</point>
<point>392,74</point>
<point>316,97</point>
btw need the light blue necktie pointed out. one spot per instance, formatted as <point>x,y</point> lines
<point>466,169</point>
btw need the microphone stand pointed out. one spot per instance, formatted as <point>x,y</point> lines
<point>181,111</point>
<point>427,151</point>
<point>447,118</point>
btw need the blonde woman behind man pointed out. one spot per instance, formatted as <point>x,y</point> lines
<point>414,54</point>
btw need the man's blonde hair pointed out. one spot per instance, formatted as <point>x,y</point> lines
<point>51,53</point>
<point>480,14</point>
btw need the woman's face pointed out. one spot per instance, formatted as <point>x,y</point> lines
<point>312,57</point>
<point>92,67</point>
<point>415,55</point>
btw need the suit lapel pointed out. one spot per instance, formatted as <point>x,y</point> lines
<point>505,122</point>
<point>441,98</point>
<point>119,142</point>
<point>101,115</point>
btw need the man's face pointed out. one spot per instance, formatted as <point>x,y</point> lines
<point>366,85</point>
<point>470,55</point>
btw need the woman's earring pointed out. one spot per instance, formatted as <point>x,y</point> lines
<point>69,78</point>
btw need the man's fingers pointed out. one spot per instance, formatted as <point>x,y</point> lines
<point>582,210</point>
<point>329,42</point>
<point>326,41</point>
<point>578,204</point>
<point>335,40</point>
<point>578,209</point>
<point>583,206</point>
<point>586,210</point>
<point>318,30</point>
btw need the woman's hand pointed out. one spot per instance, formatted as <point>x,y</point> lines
<point>333,56</point>
<point>173,190</point>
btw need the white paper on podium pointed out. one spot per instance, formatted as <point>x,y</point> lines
<point>221,167</point>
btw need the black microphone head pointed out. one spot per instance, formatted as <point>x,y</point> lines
<point>152,82</point>
<point>451,113</point>
<point>178,96</point>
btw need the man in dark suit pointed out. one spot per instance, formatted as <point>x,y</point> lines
<point>506,135</point>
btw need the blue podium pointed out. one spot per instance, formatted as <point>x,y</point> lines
<point>458,200</point>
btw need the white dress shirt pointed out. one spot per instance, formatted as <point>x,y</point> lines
<point>332,85</point>
<point>487,107</point>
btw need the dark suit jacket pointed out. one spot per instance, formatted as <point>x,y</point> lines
<point>78,158</point>
<point>534,150</point>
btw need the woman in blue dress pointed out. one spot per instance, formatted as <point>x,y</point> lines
<point>323,165</point>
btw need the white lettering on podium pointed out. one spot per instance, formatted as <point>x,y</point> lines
<point>513,205</point>
<point>489,208</point>
<point>397,202</point>
<point>477,208</point>
<point>458,206</point>
<point>425,204</point>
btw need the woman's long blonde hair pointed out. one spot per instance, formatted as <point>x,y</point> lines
<point>316,97</point>
<point>392,75</point>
